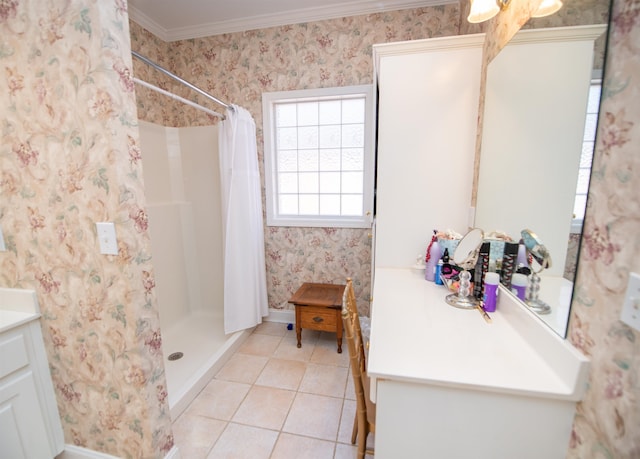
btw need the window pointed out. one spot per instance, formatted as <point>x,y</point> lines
<point>319,157</point>
<point>586,157</point>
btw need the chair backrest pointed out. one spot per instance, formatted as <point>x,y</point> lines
<point>357,353</point>
<point>349,304</point>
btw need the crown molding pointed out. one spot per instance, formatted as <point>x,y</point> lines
<point>146,22</point>
<point>321,13</point>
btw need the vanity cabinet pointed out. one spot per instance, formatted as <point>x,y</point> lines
<point>29,421</point>
<point>447,384</point>
<point>428,93</point>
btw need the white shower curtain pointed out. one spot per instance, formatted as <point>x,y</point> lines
<point>245,278</point>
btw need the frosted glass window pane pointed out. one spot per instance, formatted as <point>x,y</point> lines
<point>288,204</point>
<point>353,135</point>
<point>287,161</point>
<point>309,205</point>
<point>352,182</point>
<point>307,113</point>
<point>308,160</point>
<point>329,160</point>
<point>590,126</point>
<point>353,159</point>
<point>594,99</point>
<point>330,182</point>
<point>580,206</point>
<point>329,136</point>
<point>285,115</point>
<point>352,205</point>
<point>353,111</point>
<point>330,112</point>
<point>287,138</point>
<point>583,181</point>
<point>586,157</point>
<point>308,137</point>
<point>287,182</point>
<point>330,204</point>
<point>308,182</point>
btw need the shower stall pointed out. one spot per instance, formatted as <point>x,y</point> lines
<point>183,192</point>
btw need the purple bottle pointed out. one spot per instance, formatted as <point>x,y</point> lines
<point>491,281</point>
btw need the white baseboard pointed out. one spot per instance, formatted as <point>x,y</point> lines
<point>283,316</point>
<point>77,452</point>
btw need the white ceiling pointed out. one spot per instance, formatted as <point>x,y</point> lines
<point>173,20</point>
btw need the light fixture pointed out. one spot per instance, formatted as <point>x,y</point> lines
<point>483,10</point>
<point>547,8</point>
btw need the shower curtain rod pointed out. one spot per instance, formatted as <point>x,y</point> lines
<point>178,79</point>
<point>181,99</point>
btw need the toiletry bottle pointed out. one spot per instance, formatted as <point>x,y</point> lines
<point>482,266</point>
<point>519,284</point>
<point>491,281</point>
<point>522,256</point>
<point>438,274</point>
<point>447,269</point>
<point>432,257</point>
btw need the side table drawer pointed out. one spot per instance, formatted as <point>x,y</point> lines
<point>318,318</point>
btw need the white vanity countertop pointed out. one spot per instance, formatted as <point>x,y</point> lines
<point>17,307</point>
<point>416,336</point>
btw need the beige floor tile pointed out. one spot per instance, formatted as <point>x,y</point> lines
<point>195,435</point>
<point>346,421</point>
<point>219,399</point>
<point>345,451</point>
<point>288,346</point>
<point>283,374</point>
<point>257,344</point>
<point>350,392</point>
<point>315,416</point>
<point>324,380</point>
<point>271,328</point>
<point>326,351</point>
<point>242,368</point>
<point>293,446</point>
<point>348,452</point>
<point>265,407</point>
<point>241,442</point>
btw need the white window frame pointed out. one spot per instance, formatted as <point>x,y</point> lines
<point>576,222</point>
<point>269,100</point>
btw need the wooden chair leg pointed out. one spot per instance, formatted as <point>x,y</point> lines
<point>362,446</point>
<point>354,432</point>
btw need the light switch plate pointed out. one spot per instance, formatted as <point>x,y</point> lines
<point>631,308</point>
<point>107,238</point>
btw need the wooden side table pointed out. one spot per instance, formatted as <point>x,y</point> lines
<point>319,307</point>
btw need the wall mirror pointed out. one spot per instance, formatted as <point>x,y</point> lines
<point>534,124</point>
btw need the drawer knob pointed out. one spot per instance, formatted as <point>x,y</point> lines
<point>318,319</point>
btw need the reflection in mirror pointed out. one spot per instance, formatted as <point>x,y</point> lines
<point>540,254</point>
<point>465,257</point>
<point>532,139</point>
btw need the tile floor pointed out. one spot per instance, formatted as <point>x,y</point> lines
<point>272,400</point>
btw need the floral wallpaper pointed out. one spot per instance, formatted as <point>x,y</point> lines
<point>239,67</point>
<point>607,423</point>
<point>69,157</point>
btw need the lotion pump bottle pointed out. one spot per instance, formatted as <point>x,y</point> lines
<point>433,255</point>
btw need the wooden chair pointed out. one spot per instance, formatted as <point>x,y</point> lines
<point>364,422</point>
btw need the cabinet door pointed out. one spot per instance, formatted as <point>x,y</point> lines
<point>427,119</point>
<point>22,429</point>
